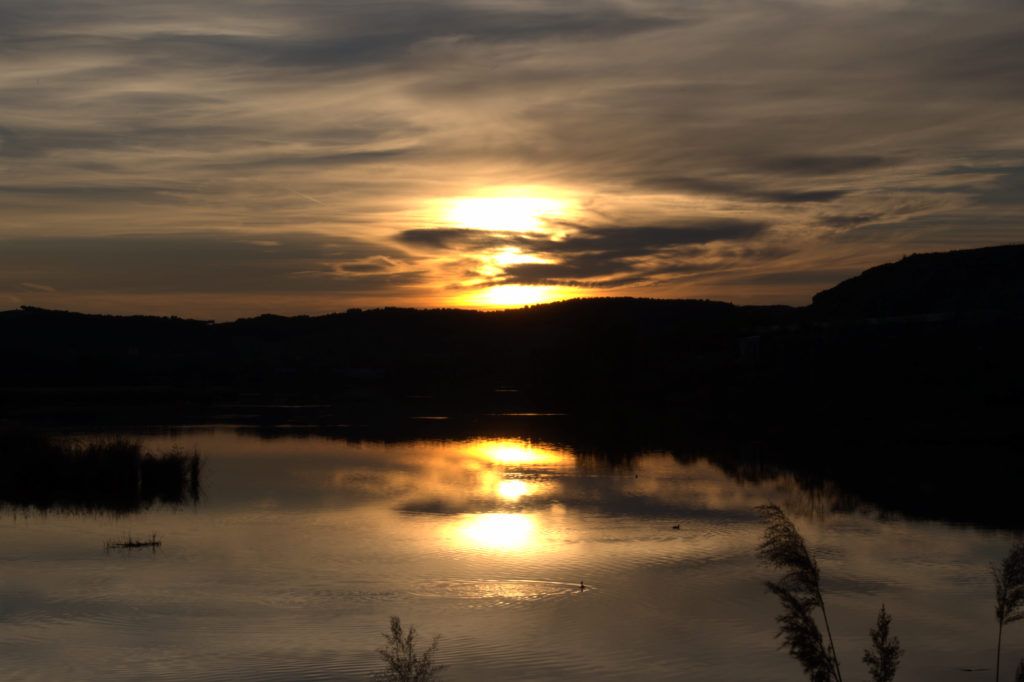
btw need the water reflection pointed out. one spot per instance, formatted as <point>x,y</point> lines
<point>511,489</point>
<point>508,452</point>
<point>500,532</point>
<point>304,547</point>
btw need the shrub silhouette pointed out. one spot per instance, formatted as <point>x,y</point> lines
<point>403,662</point>
<point>883,659</point>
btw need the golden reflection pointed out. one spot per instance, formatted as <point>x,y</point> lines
<point>509,452</point>
<point>494,532</point>
<point>513,489</point>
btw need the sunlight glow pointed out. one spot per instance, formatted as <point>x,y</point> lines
<point>512,214</point>
<point>512,295</point>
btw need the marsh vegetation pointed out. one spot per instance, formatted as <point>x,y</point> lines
<point>799,591</point>
<point>112,474</point>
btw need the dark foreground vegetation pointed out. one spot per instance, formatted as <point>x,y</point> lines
<point>114,475</point>
<point>800,595</point>
<point>403,659</point>
<point>799,592</point>
<point>152,542</point>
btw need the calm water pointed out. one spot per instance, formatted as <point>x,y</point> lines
<point>304,546</point>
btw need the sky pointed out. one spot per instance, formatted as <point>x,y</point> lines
<point>227,159</point>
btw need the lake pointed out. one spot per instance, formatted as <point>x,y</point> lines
<point>303,545</point>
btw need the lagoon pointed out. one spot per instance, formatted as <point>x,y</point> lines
<point>304,544</point>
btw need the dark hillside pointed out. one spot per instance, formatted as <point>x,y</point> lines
<point>926,344</point>
<point>990,279</point>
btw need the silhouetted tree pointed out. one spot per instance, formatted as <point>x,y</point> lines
<point>883,659</point>
<point>1009,583</point>
<point>799,591</point>
<point>403,662</point>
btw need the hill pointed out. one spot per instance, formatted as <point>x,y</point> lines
<point>989,279</point>
<point>929,343</point>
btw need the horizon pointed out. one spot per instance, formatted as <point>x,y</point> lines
<point>397,305</point>
<point>357,309</point>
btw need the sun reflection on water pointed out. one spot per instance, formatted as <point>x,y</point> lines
<point>499,532</point>
<point>512,489</point>
<point>509,452</point>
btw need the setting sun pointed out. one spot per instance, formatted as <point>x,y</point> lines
<point>513,295</point>
<point>504,213</point>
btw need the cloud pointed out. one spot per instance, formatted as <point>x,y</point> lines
<point>223,263</point>
<point>31,286</point>
<point>846,221</point>
<point>858,131</point>
<point>814,166</point>
<point>592,256</point>
<point>738,189</point>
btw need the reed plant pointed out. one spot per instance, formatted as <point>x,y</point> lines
<point>1009,583</point>
<point>799,591</point>
<point>96,475</point>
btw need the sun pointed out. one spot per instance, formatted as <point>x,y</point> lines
<point>504,214</point>
<point>541,213</point>
<point>508,208</point>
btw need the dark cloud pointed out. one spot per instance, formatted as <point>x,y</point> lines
<point>622,240</point>
<point>846,221</point>
<point>822,165</point>
<point>202,263</point>
<point>598,256</point>
<point>326,35</point>
<point>738,189</point>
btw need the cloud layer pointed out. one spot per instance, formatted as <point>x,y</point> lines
<point>710,149</point>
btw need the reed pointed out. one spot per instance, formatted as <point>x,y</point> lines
<point>1009,583</point>
<point>799,591</point>
<point>133,543</point>
<point>112,474</point>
